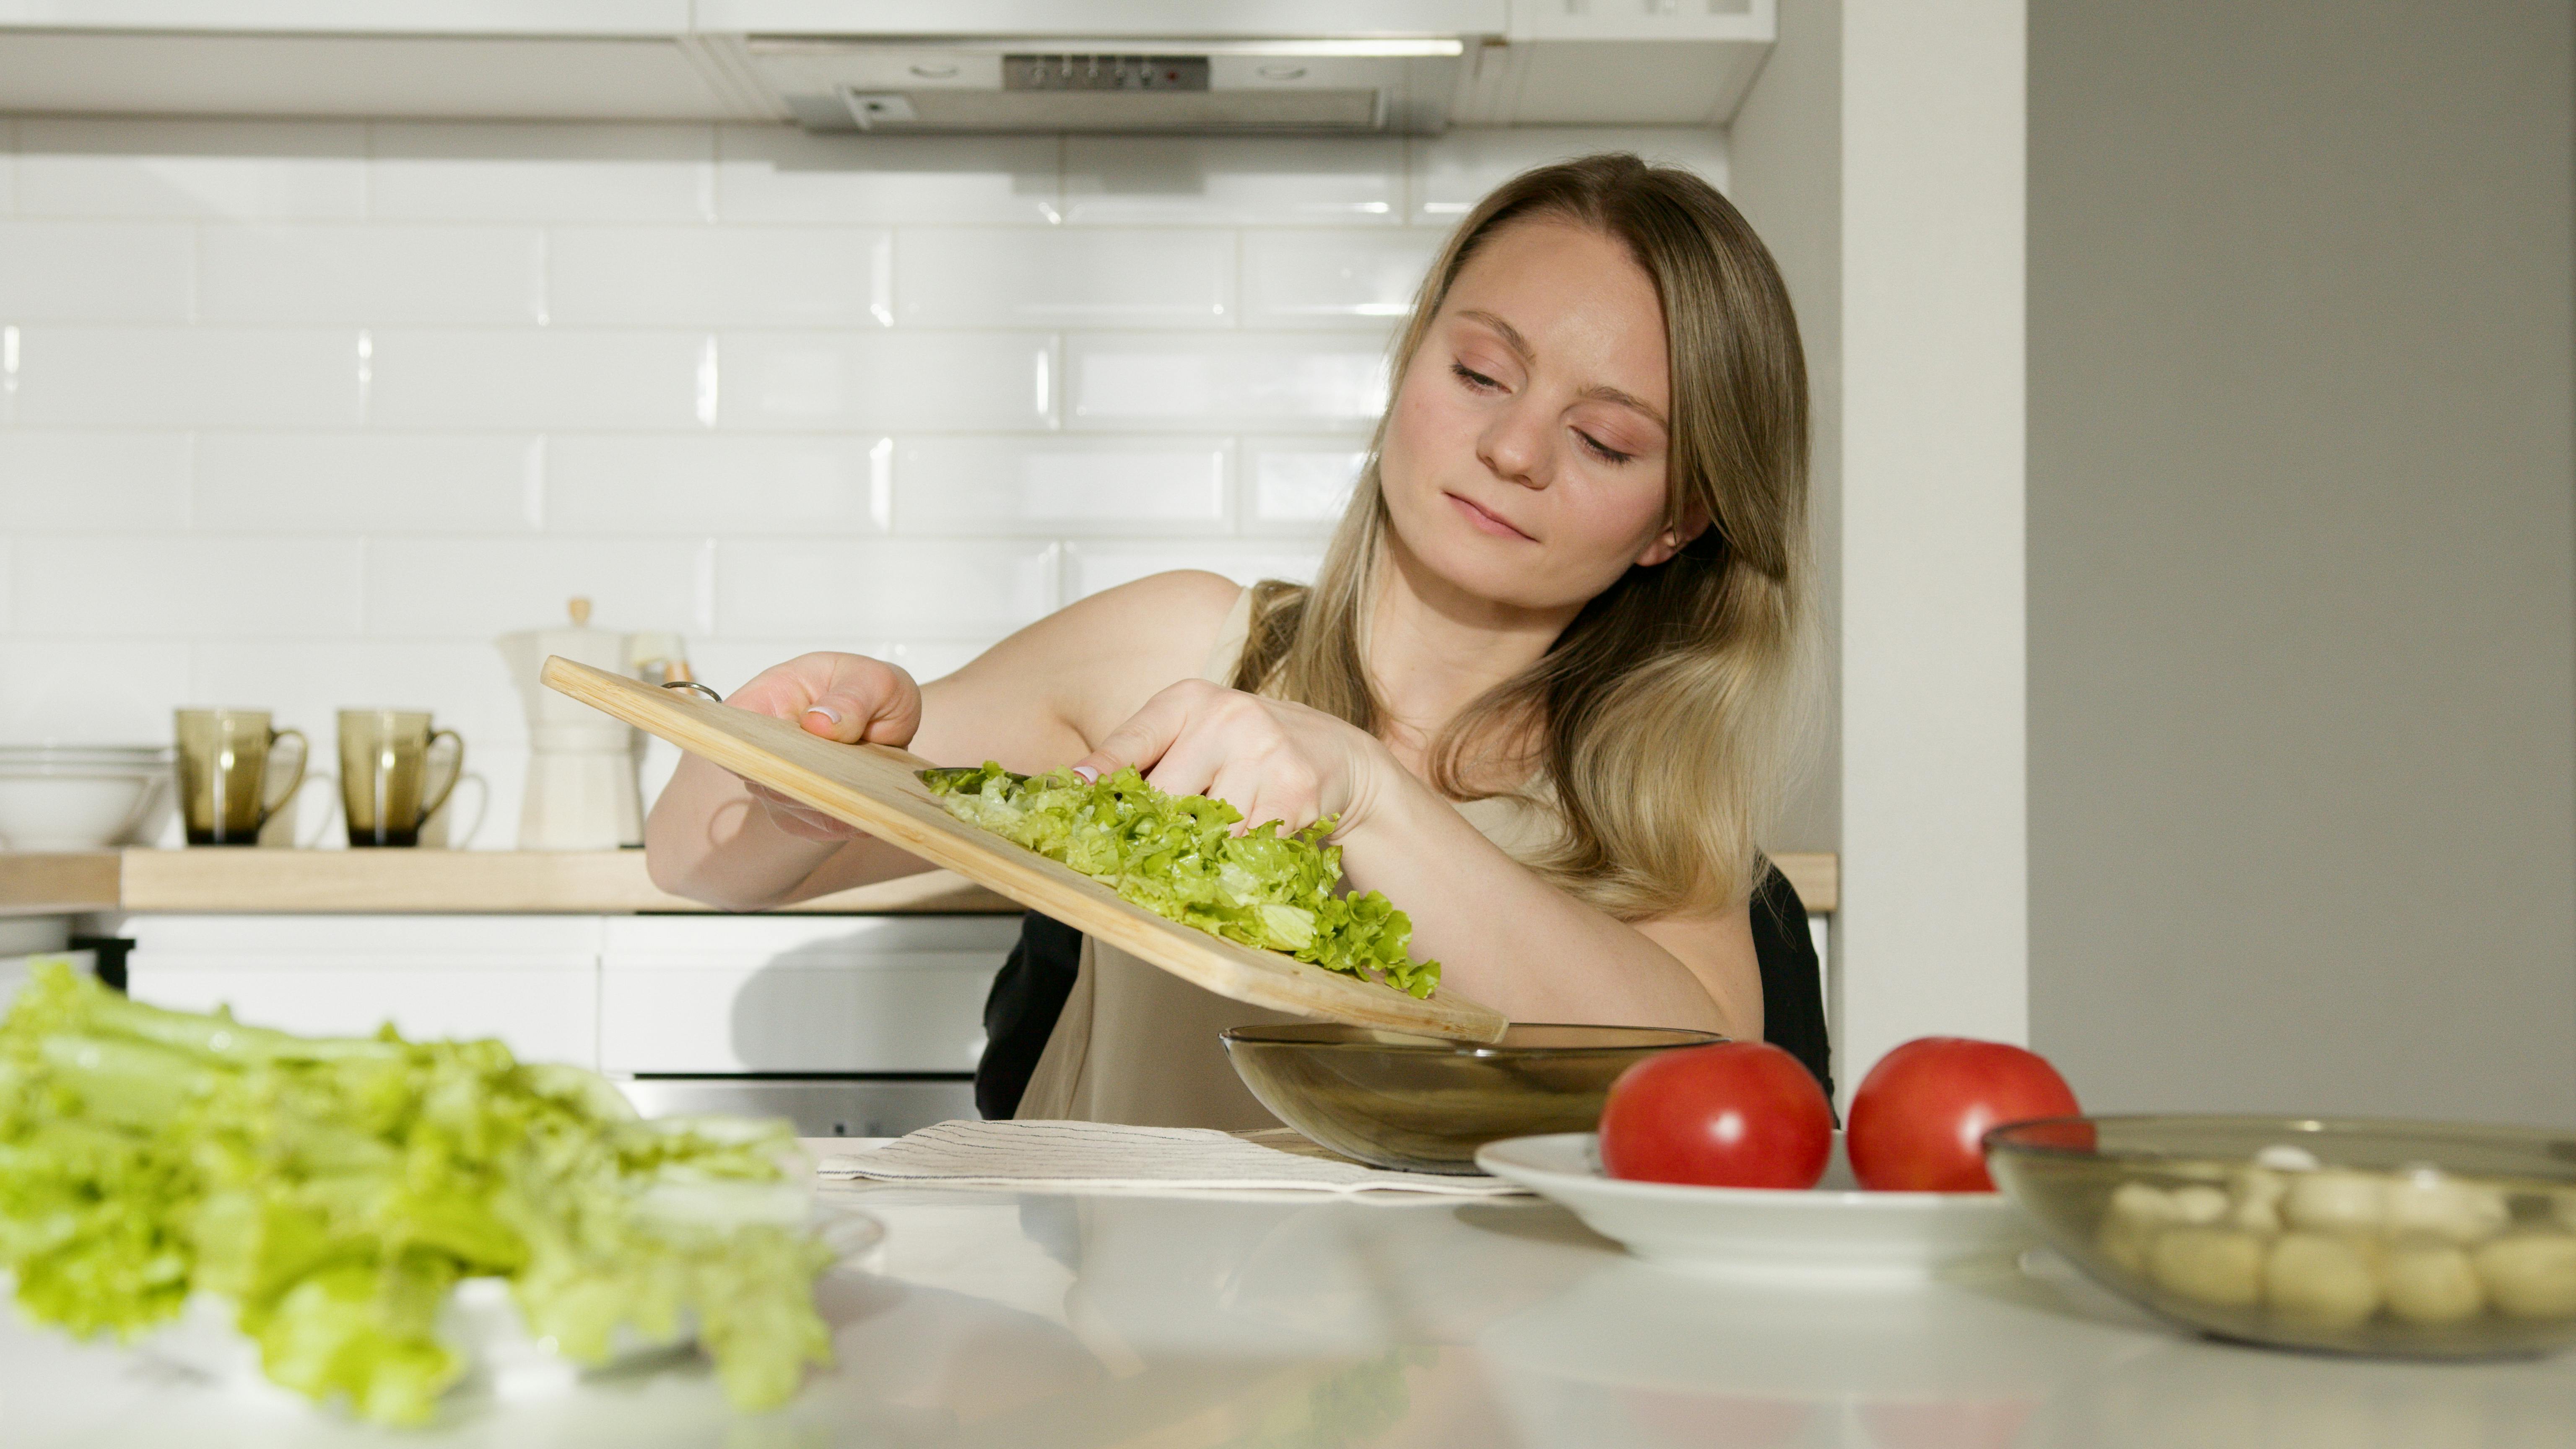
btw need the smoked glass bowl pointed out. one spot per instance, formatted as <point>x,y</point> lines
<point>1424,1104</point>
<point>2403,1238</point>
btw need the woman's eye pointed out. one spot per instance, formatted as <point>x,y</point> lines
<point>1605,454</point>
<point>1473,378</point>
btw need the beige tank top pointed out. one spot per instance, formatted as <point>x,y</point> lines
<point>1138,1045</point>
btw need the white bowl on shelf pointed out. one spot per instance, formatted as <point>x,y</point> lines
<point>81,797</point>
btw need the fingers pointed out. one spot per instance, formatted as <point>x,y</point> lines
<point>863,699</point>
<point>1142,740</point>
<point>1281,790</point>
<point>1196,738</point>
<point>844,697</point>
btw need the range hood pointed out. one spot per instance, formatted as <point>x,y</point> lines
<point>1209,86</point>
<point>900,66</point>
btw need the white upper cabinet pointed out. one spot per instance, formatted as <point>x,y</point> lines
<point>663,18</point>
<point>1261,65</point>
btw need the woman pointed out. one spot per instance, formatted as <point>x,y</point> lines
<point>1547,679</point>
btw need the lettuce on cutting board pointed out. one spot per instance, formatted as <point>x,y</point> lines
<point>335,1190</point>
<point>1176,856</point>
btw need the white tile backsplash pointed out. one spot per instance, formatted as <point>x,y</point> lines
<point>881,590</point>
<point>512,171</point>
<point>98,691</point>
<point>476,588</point>
<point>946,381</point>
<point>63,271</point>
<point>183,587</point>
<point>371,274</point>
<point>1091,567</point>
<point>306,683</point>
<point>1233,181</point>
<point>1452,171</point>
<point>729,483</point>
<point>1061,485</point>
<point>1333,278</point>
<point>531,378</point>
<point>371,482</point>
<point>303,413</point>
<point>727,664</point>
<point>1298,485</point>
<point>1146,380</point>
<point>93,481</point>
<point>231,170</point>
<point>81,376</point>
<point>769,276</point>
<point>782,174</point>
<point>1017,277</point>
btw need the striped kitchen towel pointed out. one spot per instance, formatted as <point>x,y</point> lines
<point>1106,1157</point>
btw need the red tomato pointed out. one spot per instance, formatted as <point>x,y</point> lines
<point>1918,1114</point>
<point>1736,1114</point>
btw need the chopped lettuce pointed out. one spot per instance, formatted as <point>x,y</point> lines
<point>1176,856</point>
<point>335,1190</point>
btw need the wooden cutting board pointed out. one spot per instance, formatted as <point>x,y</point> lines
<point>874,788</point>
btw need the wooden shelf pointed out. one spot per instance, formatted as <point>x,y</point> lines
<point>1817,877</point>
<point>495,882</point>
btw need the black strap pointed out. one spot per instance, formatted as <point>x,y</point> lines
<point>1793,986</point>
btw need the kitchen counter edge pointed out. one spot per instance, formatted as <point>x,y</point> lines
<point>535,882</point>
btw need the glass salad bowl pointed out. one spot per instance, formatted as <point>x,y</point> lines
<point>1425,1104</point>
<point>2404,1238</point>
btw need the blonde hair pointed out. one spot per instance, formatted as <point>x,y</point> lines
<point>1669,714</point>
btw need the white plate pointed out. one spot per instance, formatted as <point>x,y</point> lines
<point>480,1323</point>
<point>1830,1230</point>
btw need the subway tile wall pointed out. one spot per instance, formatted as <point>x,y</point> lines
<point>300,415</point>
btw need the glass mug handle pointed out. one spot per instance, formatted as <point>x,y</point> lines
<point>455,771</point>
<point>303,757</point>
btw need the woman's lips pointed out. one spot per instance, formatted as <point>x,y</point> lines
<point>1487,521</point>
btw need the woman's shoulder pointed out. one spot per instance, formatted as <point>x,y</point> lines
<point>1179,596</point>
<point>1129,642</point>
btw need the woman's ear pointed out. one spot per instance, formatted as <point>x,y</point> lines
<point>1673,540</point>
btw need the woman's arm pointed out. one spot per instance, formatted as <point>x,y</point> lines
<point>1502,935</point>
<point>1033,701</point>
<point>1507,938</point>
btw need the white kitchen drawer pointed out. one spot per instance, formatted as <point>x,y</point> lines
<point>531,981</point>
<point>715,996</point>
<point>370,936</point>
<point>543,1010</point>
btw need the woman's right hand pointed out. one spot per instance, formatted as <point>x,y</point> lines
<point>846,697</point>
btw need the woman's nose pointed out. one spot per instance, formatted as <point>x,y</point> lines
<point>1516,445</point>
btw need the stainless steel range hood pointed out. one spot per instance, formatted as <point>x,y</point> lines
<point>1334,67</point>
<point>1216,86</point>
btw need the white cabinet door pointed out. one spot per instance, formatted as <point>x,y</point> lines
<point>798,994</point>
<point>532,981</point>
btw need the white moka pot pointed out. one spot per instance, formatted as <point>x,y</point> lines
<point>582,791</point>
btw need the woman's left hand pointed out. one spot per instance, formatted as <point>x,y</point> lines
<point>1269,759</point>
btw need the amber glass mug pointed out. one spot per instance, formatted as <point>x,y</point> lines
<point>385,773</point>
<point>228,786</point>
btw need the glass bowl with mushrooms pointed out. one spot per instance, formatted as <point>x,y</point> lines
<point>2404,1238</point>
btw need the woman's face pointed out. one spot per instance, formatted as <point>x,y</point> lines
<point>1524,459</point>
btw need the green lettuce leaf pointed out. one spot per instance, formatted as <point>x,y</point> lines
<point>336,1190</point>
<point>1176,855</point>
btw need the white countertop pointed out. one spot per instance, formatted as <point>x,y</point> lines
<point>1013,1320</point>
